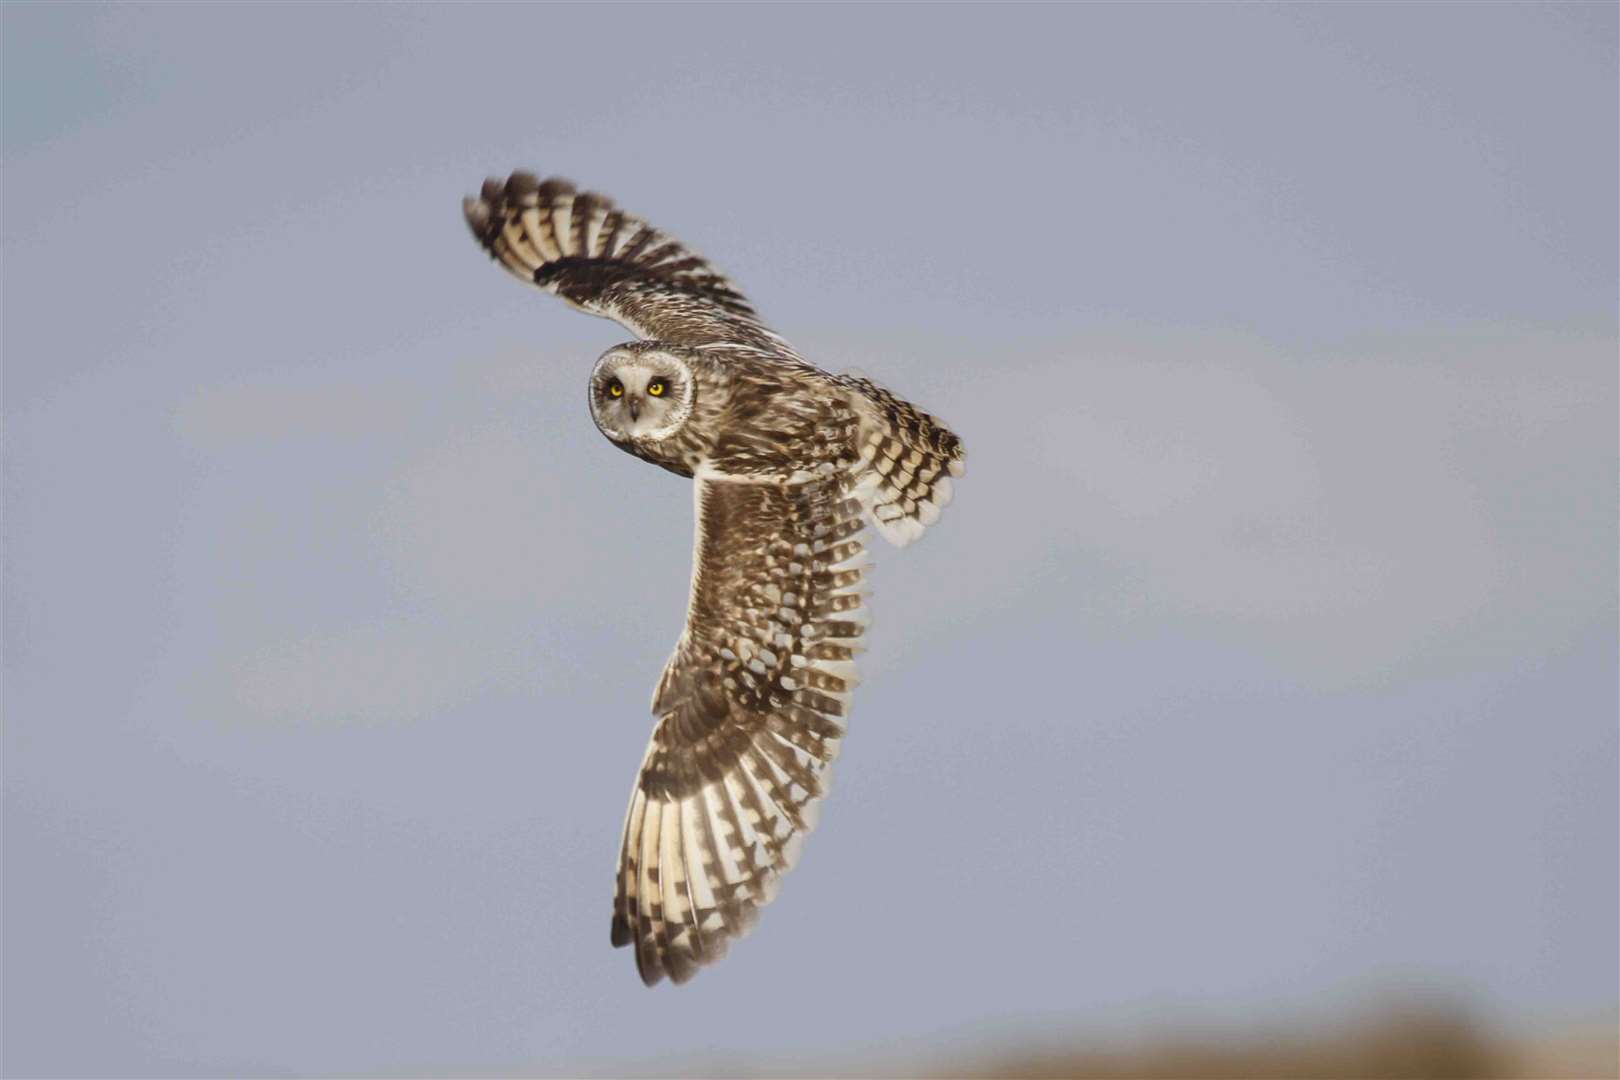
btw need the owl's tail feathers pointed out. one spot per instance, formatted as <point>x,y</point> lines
<point>907,461</point>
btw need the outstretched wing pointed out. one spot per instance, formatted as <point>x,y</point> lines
<point>579,246</point>
<point>750,713</point>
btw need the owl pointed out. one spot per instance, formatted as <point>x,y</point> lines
<point>788,465</point>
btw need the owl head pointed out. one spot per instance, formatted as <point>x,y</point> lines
<point>641,392</point>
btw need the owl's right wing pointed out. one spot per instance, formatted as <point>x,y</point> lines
<point>579,246</point>
<point>750,713</point>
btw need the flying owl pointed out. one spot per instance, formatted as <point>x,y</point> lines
<point>787,463</point>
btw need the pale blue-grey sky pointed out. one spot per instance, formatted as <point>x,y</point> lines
<point>1266,659</point>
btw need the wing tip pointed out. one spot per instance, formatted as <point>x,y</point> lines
<point>647,965</point>
<point>479,214</point>
<point>522,182</point>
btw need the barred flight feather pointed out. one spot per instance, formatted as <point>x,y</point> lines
<point>907,460</point>
<point>576,245</point>
<point>749,714</point>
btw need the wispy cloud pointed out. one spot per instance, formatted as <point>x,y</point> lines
<point>1383,507</point>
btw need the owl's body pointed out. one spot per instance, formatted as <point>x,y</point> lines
<point>751,415</point>
<point>787,463</point>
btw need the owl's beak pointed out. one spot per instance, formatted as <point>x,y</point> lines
<point>634,405</point>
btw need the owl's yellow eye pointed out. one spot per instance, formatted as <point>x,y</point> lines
<point>656,388</point>
<point>616,388</point>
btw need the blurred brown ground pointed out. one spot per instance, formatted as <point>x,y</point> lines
<point>1385,1042</point>
<point>1430,1043</point>
<point>1389,1039</point>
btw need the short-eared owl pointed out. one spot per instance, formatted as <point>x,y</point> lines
<point>787,464</point>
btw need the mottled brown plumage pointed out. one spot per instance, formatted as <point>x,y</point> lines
<point>787,463</point>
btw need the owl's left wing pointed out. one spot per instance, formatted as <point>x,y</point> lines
<point>750,713</point>
<point>579,246</point>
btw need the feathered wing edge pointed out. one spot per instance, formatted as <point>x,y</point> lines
<point>579,246</point>
<point>727,794</point>
<point>907,461</point>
